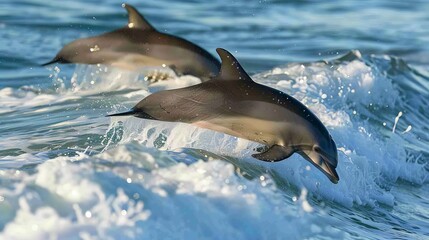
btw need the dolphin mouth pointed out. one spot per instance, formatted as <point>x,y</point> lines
<point>330,172</point>
<point>322,163</point>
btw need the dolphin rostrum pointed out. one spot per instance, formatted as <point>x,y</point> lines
<point>234,104</point>
<point>140,44</point>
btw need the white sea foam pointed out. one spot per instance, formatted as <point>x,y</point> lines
<point>89,80</point>
<point>68,197</point>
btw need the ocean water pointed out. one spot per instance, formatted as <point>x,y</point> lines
<point>69,172</point>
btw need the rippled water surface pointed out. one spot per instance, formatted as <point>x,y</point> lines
<point>68,172</point>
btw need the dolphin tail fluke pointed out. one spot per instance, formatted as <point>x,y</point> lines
<point>55,60</point>
<point>129,113</point>
<point>50,62</point>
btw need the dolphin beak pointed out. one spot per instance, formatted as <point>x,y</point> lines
<point>320,161</point>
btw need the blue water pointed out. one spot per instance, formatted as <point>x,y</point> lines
<point>68,172</point>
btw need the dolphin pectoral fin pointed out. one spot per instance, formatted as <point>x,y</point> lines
<point>274,154</point>
<point>135,19</point>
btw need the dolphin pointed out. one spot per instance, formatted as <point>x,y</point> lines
<point>234,104</point>
<point>140,44</point>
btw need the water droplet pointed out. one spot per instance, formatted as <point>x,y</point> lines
<point>396,121</point>
<point>88,214</point>
<point>136,196</point>
<point>94,49</point>
<point>408,129</point>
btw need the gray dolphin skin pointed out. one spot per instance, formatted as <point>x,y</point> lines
<point>140,44</point>
<point>234,104</point>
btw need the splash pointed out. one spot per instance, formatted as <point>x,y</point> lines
<point>340,93</point>
<point>128,180</point>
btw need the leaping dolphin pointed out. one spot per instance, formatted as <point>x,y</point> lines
<point>234,104</point>
<point>140,44</point>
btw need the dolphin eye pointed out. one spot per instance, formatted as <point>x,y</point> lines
<point>317,149</point>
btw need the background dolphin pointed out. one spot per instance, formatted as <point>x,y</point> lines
<point>236,105</point>
<point>139,44</point>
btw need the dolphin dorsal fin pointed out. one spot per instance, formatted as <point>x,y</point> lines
<point>230,68</point>
<point>135,19</point>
